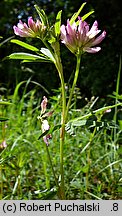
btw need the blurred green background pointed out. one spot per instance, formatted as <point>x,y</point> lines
<point>98,73</point>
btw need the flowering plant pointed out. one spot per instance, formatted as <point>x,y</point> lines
<point>33,29</point>
<point>78,38</point>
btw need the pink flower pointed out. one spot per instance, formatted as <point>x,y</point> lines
<point>3,145</point>
<point>44,105</point>
<point>46,127</point>
<point>80,38</point>
<point>108,111</point>
<point>33,29</point>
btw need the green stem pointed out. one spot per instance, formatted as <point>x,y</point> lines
<point>50,161</point>
<point>62,130</point>
<point>65,114</point>
<point>88,158</point>
<point>1,183</point>
<point>59,68</point>
<point>117,93</point>
<point>58,64</point>
<point>74,84</point>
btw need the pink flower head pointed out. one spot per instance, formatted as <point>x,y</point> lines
<point>33,29</point>
<point>80,38</point>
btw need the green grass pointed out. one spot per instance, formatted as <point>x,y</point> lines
<point>92,153</point>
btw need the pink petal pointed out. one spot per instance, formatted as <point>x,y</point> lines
<point>25,26</point>
<point>19,32</point>
<point>99,39</point>
<point>92,34</point>
<point>70,29</point>
<point>15,30</point>
<point>20,25</point>
<point>31,23</point>
<point>44,104</point>
<point>94,26</point>
<point>63,30</point>
<point>92,50</point>
<point>93,31</point>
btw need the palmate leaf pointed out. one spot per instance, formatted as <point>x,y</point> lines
<point>28,57</point>
<point>25,45</point>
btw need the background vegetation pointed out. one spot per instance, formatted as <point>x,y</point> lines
<point>93,147</point>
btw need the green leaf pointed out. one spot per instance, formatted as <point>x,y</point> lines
<point>42,15</point>
<point>76,184</point>
<point>50,131</point>
<point>58,23</point>
<point>25,45</point>
<point>87,15</point>
<point>43,134</point>
<point>85,168</point>
<point>79,123</point>
<point>16,90</point>
<point>6,40</point>
<point>47,53</point>
<point>37,60</point>
<point>5,103</point>
<point>3,119</point>
<point>56,127</point>
<point>26,56</point>
<point>95,112</point>
<point>120,124</point>
<point>75,15</point>
<point>109,165</point>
